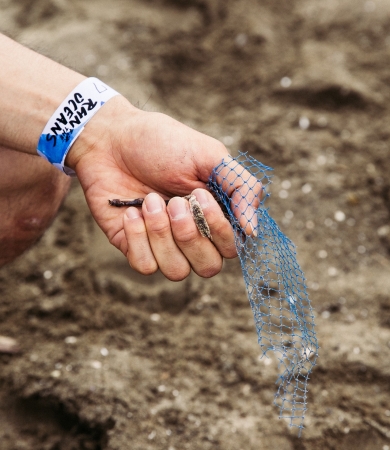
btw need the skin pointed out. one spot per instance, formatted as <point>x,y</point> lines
<point>122,153</point>
<point>29,200</point>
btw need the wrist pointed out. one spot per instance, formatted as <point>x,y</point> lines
<point>100,130</point>
<point>31,88</point>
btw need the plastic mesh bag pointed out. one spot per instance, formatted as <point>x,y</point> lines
<point>274,281</point>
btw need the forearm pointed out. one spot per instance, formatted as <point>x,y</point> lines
<point>31,88</point>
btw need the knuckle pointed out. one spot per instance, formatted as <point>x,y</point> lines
<point>223,230</point>
<point>187,237</point>
<point>220,226</point>
<point>178,275</point>
<point>159,228</point>
<point>211,270</point>
<point>144,266</point>
<point>229,251</point>
<point>137,232</point>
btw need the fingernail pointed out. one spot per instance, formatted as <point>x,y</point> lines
<point>251,216</point>
<point>133,213</point>
<point>202,198</point>
<point>153,203</point>
<point>178,208</point>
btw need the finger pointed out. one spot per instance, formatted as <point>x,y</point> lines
<point>139,253</point>
<point>244,190</point>
<point>220,228</point>
<point>171,261</point>
<point>204,258</point>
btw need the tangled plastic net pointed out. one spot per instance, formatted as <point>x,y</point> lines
<point>274,281</point>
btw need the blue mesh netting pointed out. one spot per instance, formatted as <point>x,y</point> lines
<point>274,281</point>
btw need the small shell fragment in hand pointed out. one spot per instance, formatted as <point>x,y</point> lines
<point>199,218</point>
<point>8,345</point>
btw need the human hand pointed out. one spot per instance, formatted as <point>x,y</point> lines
<point>128,153</point>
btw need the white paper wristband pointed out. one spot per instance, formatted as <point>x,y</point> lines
<point>69,120</point>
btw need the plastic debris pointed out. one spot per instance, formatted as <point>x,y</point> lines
<point>274,281</point>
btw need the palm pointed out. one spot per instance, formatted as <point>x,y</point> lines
<point>158,159</point>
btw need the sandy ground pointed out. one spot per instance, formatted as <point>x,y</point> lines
<point>111,360</point>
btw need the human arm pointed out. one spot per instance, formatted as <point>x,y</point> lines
<point>128,153</point>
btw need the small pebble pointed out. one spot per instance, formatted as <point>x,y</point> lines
<point>70,340</point>
<point>155,317</point>
<point>56,374</point>
<point>285,82</point>
<point>383,231</point>
<point>47,274</point>
<point>8,345</point>
<point>304,123</point>
<point>96,364</point>
<point>339,216</point>
<point>306,188</point>
<point>283,194</point>
<point>322,254</point>
<point>206,298</point>
<point>104,351</point>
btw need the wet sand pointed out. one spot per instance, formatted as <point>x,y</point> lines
<point>112,360</point>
